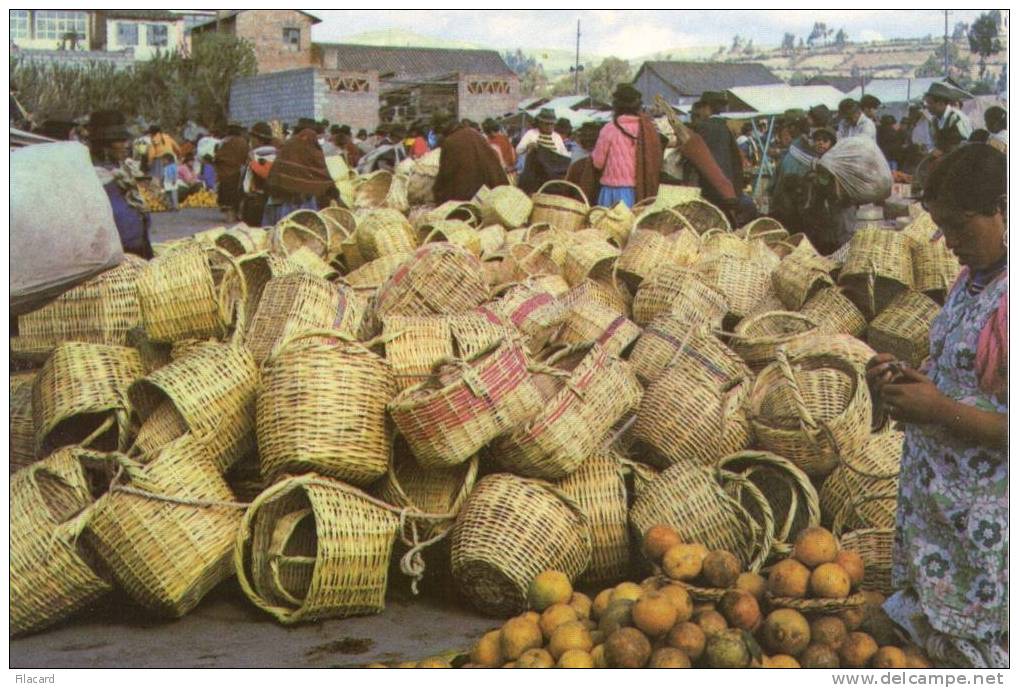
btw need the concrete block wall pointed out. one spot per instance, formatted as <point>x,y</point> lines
<point>285,96</point>
<point>264,28</point>
<point>479,106</point>
<point>356,109</point>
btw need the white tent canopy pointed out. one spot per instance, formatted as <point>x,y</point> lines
<point>776,99</point>
<point>894,90</point>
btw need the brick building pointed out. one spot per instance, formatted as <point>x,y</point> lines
<point>359,85</point>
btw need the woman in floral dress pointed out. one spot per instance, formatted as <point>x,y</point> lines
<point>950,562</point>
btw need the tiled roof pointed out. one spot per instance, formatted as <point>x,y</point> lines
<point>413,63</point>
<point>144,15</point>
<point>693,78</point>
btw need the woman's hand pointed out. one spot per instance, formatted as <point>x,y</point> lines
<point>880,371</point>
<point>912,398</point>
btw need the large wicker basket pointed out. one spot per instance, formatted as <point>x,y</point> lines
<point>811,410</point>
<point>311,548</point>
<point>53,573</point>
<point>594,259</point>
<point>465,404</point>
<point>563,212</point>
<point>874,545</point>
<point>536,313</point>
<point>687,415</point>
<point>646,251</point>
<point>744,282</point>
<point>672,337</point>
<point>213,388</point>
<point>22,425</point>
<point>374,274</point>
<point>414,344</point>
<point>510,530</point>
<point>692,499</point>
<point>440,278</point>
<point>80,396</point>
<point>301,229</point>
<point>101,311</point>
<point>451,231</point>
<point>166,529</point>
<point>935,268</point>
<point>322,408</point>
<point>758,337</point>
<point>617,221</point>
<point>878,266</point>
<point>834,312</point>
<point>615,297</point>
<point>678,290</point>
<point>872,470</point>
<point>799,276</point>
<point>383,232</point>
<point>599,489</point>
<point>507,206</point>
<point>903,327</point>
<point>178,298</point>
<point>590,321</point>
<point>241,239</point>
<point>588,390</point>
<point>290,304</point>
<point>844,346</point>
<point>702,215</point>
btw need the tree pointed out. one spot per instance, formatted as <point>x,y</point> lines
<point>800,45</point>
<point>737,43</point>
<point>533,82</point>
<point>602,80</point>
<point>216,60</point>
<point>819,32</point>
<point>841,38</point>
<point>788,42</point>
<point>983,39</point>
<point>748,49</point>
<point>960,31</point>
<point>958,66</point>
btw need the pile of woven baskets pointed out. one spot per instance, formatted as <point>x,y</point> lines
<point>481,390</point>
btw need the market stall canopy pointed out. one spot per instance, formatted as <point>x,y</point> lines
<point>893,90</point>
<point>577,109</point>
<point>776,99</point>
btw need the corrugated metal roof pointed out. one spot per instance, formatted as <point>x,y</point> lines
<point>894,90</point>
<point>842,83</point>
<point>776,99</point>
<point>693,78</point>
<point>416,63</point>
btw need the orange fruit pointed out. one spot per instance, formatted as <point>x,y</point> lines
<point>654,614</point>
<point>711,622</point>
<point>555,616</point>
<point>830,581</point>
<point>680,599</point>
<point>889,657</point>
<point>657,540</point>
<point>753,583</point>
<point>575,659</point>
<point>785,632</point>
<point>688,637</point>
<point>720,569</point>
<point>488,651</point>
<point>852,562</point>
<point>519,634</point>
<point>857,650</point>
<point>684,561</point>
<point>569,636</point>
<point>627,648</point>
<point>740,609</point>
<point>668,658</point>
<point>814,546</point>
<point>788,578</point>
<point>548,588</point>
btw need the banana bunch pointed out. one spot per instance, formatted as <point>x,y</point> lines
<point>206,198</point>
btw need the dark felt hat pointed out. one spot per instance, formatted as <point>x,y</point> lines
<point>108,125</point>
<point>712,97</point>
<point>820,114</point>
<point>626,95</point>
<point>546,115</point>
<point>343,129</point>
<point>262,130</point>
<point>234,129</point>
<point>306,123</point>
<point>870,101</point>
<point>825,132</point>
<point>945,92</point>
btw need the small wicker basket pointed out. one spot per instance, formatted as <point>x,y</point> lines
<point>452,231</point>
<point>536,313</point>
<point>384,232</point>
<point>322,408</point>
<point>290,304</point>
<point>743,282</point>
<point>702,215</point>
<point>878,266</point>
<point>590,321</point>
<point>563,212</point>
<point>507,206</point>
<point>799,277</point>
<point>242,239</point>
<point>465,404</point>
<point>374,274</point>
<point>510,530</point>
<point>835,313</point>
<point>617,221</point>
<point>935,269</point>
<point>872,470</point>
<point>758,337</point>
<point>678,290</point>
<point>903,327</point>
<point>441,279</point>
<point>178,298</point>
<point>22,424</point>
<point>672,337</point>
<point>591,259</point>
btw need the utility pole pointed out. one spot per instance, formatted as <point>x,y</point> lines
<point>577,68</point>
<point>946,44</point>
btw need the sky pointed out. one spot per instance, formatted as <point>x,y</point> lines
<point>632,33</point>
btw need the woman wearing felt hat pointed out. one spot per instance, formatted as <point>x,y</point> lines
<point>628,152</point>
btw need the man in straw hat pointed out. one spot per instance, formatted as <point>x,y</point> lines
<point>466,162</point>
<point>949,126</point>
<point>543,135</point>
<point>110,145</point>
<point>628,152</point>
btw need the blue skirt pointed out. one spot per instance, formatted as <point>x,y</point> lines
<point>610,195</point>
<point>273,213</point>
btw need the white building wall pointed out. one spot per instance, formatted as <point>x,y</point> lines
<point>143,49</point>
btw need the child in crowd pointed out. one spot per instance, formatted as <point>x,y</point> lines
<point>170,180</point>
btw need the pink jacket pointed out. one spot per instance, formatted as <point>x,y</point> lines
<point>615,154</point>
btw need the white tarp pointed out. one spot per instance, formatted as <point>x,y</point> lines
<point>775,99</point>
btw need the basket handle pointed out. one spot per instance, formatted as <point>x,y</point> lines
<point>242,305</point>
<point>767,531</point>
<point>570,185</point>
<point>787,374</point>
<point>282,533</point>
<point>285,225</point>
<point>851,507</point>
<point>470,376</point>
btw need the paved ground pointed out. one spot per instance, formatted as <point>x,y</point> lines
<point>227,631</point>
<point>170,225</point>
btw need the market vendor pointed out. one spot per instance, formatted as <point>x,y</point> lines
<point>298,178</point>
<point>466,163</point>
<point>628,153</point>
<point>110,146</point>
<point>950,560</point>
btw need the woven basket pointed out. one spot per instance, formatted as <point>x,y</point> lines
<point>253,272</point>
<point>614,297</point>
<point>290,304</point>
<point>162,426</point>
<point>454,232</point>
<point>811,410</point>
<point>454,210</point>
<point>440,278</point>
<point>565,213</point>
<point>767,228</point>
<point>550,241</point>
<point>242,239</point>
<point>844,346</point>
<point>797,243</point>
<point>794,501</point>
<point>594,259</point>
<point>935,269</point>
<point>590,321</point>
<point>421,184</point>
<point>878,266</point>
<point>213,388</point>
<point>903,327</point>
<point>872,470</point>
<point>178,299</point>
<point>681,291</point>
<point>555,285</point>
<point>599,489</point>
<point>396,197</point>
<point>80,396</point>
<point>22,424</point>
<point>923,227</point>
<point>799,276</point>
<point>591,234</point>
<point>492,239</point>
<point>536,313</point>
<point>758,337</point>
<point>374,274</point>
<point>702,215</point>
<point>716,242</point>
<point>301,229</point>
<point>835,313</point>
<point>477,330</point>
<point>341,223</point>
<point>590,390</point>
<point>465,404</point>
<point>414,344</point>
<point>665,221</point>
<point>510,530</point>
<point>322,408</point>
<point>101,311</point>
<point>617,221</point>
<point>507,206</point>
<point>384,232</point>
<point>744,283</point>
<point>688,415</point>
<point>166,530</point>
<point>817,606</point>
<point>645,253</point>
<point>527,260</point>
<point>308,261</point>
<point>874,545</point>
<point>371,191</point>
<point>692,499</point>
<point>672,337</point>
<point>53,574</point>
